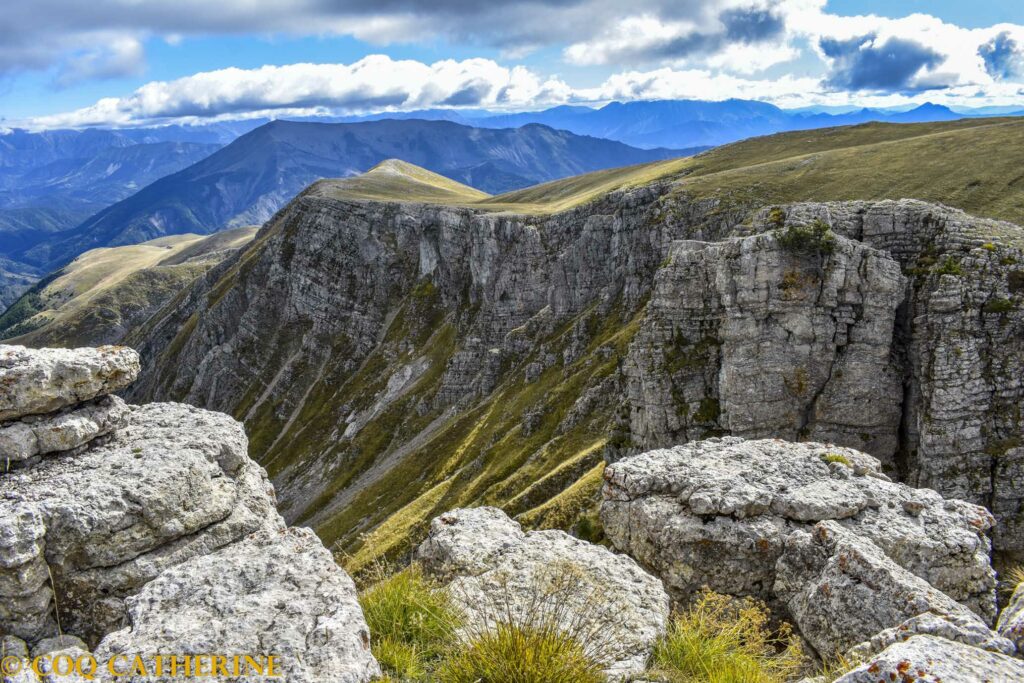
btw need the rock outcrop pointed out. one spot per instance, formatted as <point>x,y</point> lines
<point>717,513</point>
<point>932,660</point>
<point>841,590</point>
<point>1011,619</point>
<point>356,336</point>
<point>497,573</point>
<point>155,532</point>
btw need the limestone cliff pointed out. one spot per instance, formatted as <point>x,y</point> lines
<point>394,360</point>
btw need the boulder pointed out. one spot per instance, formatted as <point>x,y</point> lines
<point>64,431</point>
<point>175,483</point>
<point>929,659</point>
<point>149,530</point>
<point>37,381</point>
<point>840,590</point>
<point>1011,619</point>
<point>497,573</point>
<point>277,592</point>
<point>716,513</point>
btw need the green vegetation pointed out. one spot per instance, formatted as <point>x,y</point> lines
<point>721,639</point>
<point>417,634</point>
<point>949,266</point>
<point>413,622</point>
<point>104,291</point>
<point>521,653</point>
<point>816,238</point>
<point>836,457</point>
<point>998,305</point>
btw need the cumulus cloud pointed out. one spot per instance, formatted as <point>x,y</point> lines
<point>865,63</point>
<point>1003,57</point>
<point>373,83</point>
<point>646,38</point>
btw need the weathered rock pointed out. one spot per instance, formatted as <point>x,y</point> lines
<point>840,590</point>
<point>45,380</point>
<point>928,659</point>
<point>498,574</point>
<point>963,628</point>
<point>463,541</point>
<point>277,592</point>
<point>1011,619</point>
<point>716,513</point>
<point>173,484</point>
<point>38,435</point>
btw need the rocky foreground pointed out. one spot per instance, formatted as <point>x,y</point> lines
<point>140,530</point>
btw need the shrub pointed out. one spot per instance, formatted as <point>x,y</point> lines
<point>412,622</point>
<point>721,639</point>
<point>949,266</point>
<point>776,217</point>
<point>816,238</point>
<point>836,457</point>
<point>998,305</point>
<point>1015,281</point>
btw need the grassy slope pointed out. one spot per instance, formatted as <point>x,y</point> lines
<point>101,285</point>
<point>972,164</point>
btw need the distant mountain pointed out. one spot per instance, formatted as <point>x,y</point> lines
<point>53,180</point>
<point>695,123</point>
<point>250,179</point>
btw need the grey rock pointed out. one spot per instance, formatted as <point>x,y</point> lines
<point>58,643</point>
<point>840,590</point>
<point>463,541</point>
<point>64,431</point>
<point>41,381</point>
<point>497,573</point>
<point>932,659</point>
<point>1011,619</point>
<point>277,592</point>
<point>173,484</point>
<point>716,513</point>
<point>963,628</point>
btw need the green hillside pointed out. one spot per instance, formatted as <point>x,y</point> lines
<point>971,164</point>
<point>104,293</point>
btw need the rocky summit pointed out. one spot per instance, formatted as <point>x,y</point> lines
<point>141,530</point>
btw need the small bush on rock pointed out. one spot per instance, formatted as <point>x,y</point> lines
<point>721,639</point>
<point>816,238</point>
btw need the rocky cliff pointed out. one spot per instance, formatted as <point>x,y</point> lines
<point>394,360</point>
<point>148,530</point>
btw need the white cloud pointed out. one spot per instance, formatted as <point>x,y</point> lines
<point>373,83</point>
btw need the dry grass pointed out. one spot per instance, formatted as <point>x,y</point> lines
<point>721,639</point>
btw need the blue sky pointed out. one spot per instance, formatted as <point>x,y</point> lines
<point>129,62</point>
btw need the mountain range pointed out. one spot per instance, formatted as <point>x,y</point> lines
<point>247,181</point>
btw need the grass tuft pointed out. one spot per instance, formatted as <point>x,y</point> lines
<point>412,622</point>
<point>721,639</point>
<point>521,653</point>
<point>836,457</point>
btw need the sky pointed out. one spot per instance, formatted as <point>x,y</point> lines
<point>69,63</point>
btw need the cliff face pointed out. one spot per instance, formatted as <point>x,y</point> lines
<point>391,361</point>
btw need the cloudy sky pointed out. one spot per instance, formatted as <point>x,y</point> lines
<point>128,62</point>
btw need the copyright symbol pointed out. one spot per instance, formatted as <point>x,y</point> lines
<point>10,665</point>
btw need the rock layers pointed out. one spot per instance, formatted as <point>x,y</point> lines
<point>165,514</point>
<point>355,338</point>
<point>718,513</point>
